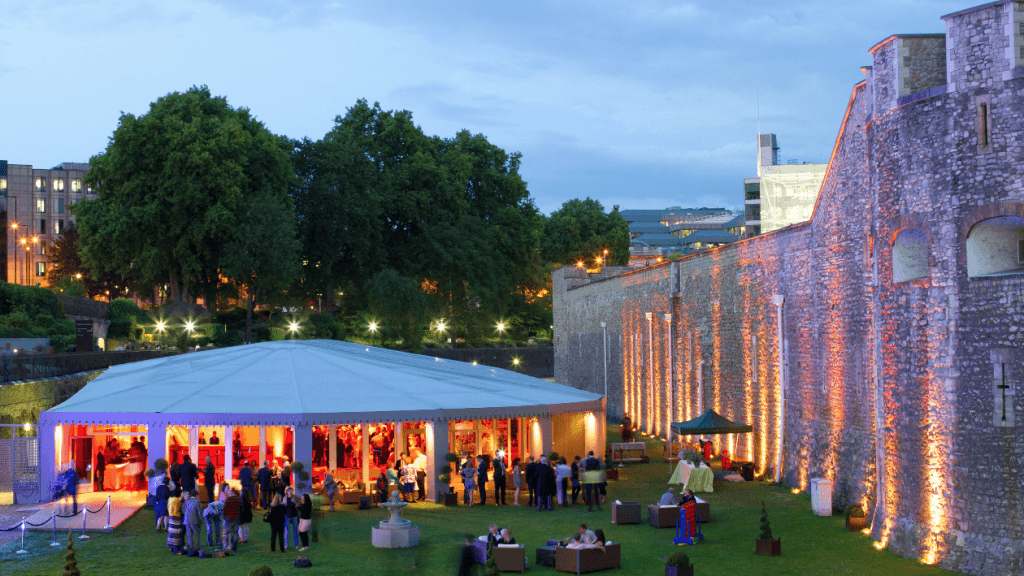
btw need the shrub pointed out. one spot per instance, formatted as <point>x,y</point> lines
<point>261,570</point>
<point>855,511</point>
<point>296,466</point>
<point>44,320</point>
<point>12,332</point>
<point>122,308</point>
<point>444,478</point>
<point>766,526</point>
<point>553,457</point>
<point>39,332</point>
<point>70,563</point>
<point>451,457</point>
<point>62,328</point>
<point>120,328</point>
<point>679,559</point>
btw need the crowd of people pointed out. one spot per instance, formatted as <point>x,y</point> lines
<point>584,538</point>
<point>546,481</point>
<point>180,512</point>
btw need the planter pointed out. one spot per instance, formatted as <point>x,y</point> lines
<point>856,523</point>
<point>448,498</point>
<point>768,547</point>
<point>679,570</point>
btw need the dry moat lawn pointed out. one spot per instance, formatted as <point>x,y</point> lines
<point>810,545</point>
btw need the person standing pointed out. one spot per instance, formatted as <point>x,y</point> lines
<point>575,479</point>
<point>627,429</point>
<point>291,517</point>
<point>275,516</point>
<point>408,479</point>
<point>330,486</point>
<point>545,478</point>
<point>245,518</point>
<point>263,477</point>
<point>481,479</point>
<point>305,521</point>
<point>590,468</point>
<point>499,480</point>
<point>191,510</point>
<point>236,447</point>
<point>467,559</point>
<point>468,484</point>
<point>101,469</point>
<point>232,519</point>
<point>163,494</point>
<point>209,479</point>
<point>562,474</point>
<point>517,480</point>
<point>189,474</point>
<point>421,473</point>
<point>245,477</point>
<point>531,481</point>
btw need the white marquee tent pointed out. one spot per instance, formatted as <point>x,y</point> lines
<point>306,383</point>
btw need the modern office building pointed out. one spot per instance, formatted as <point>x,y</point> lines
<point>781,194</point>
<point>34,211</point>
<point>657,234</point>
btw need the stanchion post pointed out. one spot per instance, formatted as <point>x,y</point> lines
<point>85,516</point>
<point>108,527</point>
<point>22,551</point>
<point>53,519</point>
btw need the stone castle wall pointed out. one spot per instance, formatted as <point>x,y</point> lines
<point>875,370</point>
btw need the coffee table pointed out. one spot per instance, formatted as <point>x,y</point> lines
<point>546,555</point>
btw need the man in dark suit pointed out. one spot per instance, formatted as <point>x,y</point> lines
<point>263,477</point>
<point>101,468</point>
<point>499,481</point>
<point>545,483</point>
<point>531,480</point>
<point>189,474</point>
<point>209,479</point>
<point>481,478</point>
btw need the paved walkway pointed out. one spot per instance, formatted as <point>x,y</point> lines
<point>38,516</point>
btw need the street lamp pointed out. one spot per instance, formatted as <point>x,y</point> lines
<point>373,331</point>
<point>501,327</point>
<point>293,327</point>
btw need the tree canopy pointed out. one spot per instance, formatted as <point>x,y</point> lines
<point>581,231</point>
<point>171,183</point>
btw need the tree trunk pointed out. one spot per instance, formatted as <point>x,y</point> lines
<point>254,294</point>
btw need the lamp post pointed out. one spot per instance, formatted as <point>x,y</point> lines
<point>441,326</point>
<point>373,331</point>
<point>14,226</point>
<point>501,332</point>
<point>779,300</point>
<point>293,328</point>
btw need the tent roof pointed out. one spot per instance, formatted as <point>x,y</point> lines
<point>708,423</point>
<point>312,382</point>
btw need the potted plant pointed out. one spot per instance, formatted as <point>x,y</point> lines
<point>446,497</point>
<point>678,564</point>
<point>855,518</point>
<point>765,544</point>
<point>301,476</point>
<point>453,460</point>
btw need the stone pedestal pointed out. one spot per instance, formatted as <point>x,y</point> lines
<point>404,537</point>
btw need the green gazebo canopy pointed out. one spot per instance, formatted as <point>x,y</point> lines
<point>708,423</point>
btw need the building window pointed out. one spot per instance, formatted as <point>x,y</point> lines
<point>58,184</point>
<point>909,255</point>
<point>3,186</point>
<point>76,185</point>
<point>58,226</point>
<point>40,184</point>
<point>42,226</point>
<point>41,205</point>
<point>1003,389</point>
<point>993,247</point>
<point>40,268</point>
<point>59,208</point>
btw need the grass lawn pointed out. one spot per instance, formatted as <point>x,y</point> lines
<point>810,545</point>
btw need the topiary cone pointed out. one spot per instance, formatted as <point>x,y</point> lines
<point>70,563</point>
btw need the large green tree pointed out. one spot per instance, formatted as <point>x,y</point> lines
<point>171,183</point>
<point>452,215</point>
<point>263,255</point>
<point>581,231</point>
<point>65,263</point>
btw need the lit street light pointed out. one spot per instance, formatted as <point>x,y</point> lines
<point>373,331</point>
<point>501,327</point>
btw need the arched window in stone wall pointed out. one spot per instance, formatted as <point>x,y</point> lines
<point>909,255</point>
<point>996,246</point>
